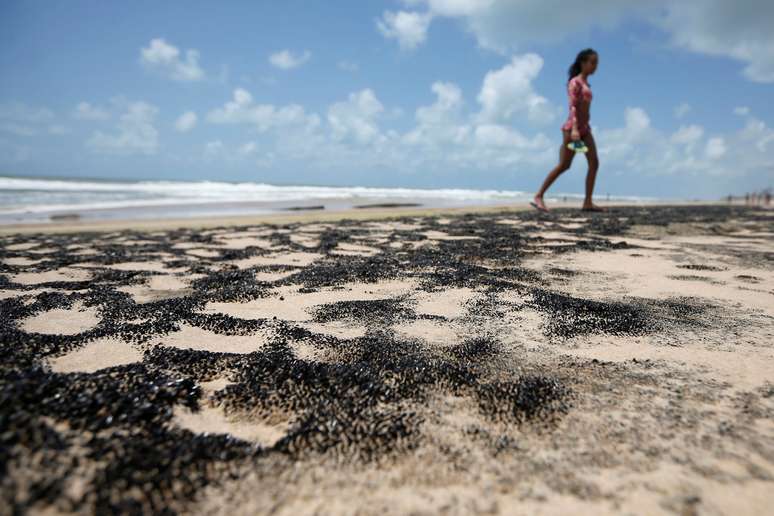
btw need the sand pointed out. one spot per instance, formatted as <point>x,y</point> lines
<point>70,321</point>
<point>157,287</point>
<point>189,337</point>
<point>96,355</point>
<point>291,259</point>
<point>62,274</point>
<point>213,420</point>
<point>496,361</point>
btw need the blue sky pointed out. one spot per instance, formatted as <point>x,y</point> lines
<point>420,93</point>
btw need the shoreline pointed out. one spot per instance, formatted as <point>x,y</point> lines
<point>303,215</point>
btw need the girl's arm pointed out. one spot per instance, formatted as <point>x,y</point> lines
<point>574,91</point>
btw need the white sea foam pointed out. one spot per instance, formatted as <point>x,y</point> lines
<point>40,196</point>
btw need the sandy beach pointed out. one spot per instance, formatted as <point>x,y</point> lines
<point>460,361</point>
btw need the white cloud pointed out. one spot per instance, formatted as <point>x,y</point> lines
<point>242,110</point>
<point>756,133</point>
<point>347,66</point>
<point>20,112</point>
<point>639,148</point>
<point>687,135</point>
<point>682,110</point>
<point>445,136</point>
<point>447,105</point>
<point>186,121</point>
<point>503,136</point>
<point>242,97</point>
<point>217,150</point>
<point>18,129</point>
<point>166,59</point>
<point>506,25</point>
<point>625,144</point>
<point>716,148</point>
<point>742,111</point>
<point>508,92</point>
<point>86,111</point>
<point>356,118</point>
<point>740,31</point>
<point>286,60</point>
<point>20,119</point>
<point>637,120</point>
<point>440,122</point>
<point>135,133</point>
<point>248,148</point>
<point>449,134</point>
<point>213,148</point>
<point>748,152</point>
<point>408,28</point>
<point>454,7</point>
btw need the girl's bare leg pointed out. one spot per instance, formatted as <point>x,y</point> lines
<point>593,160</point>
<point>565,161</point>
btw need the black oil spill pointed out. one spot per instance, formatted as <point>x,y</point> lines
<point>692,277</point>
<point>385,311</point>
<point>570,316</point>
<point>701,267</point>
<point>114,429</point>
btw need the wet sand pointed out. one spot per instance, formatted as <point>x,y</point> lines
<point>494,361</point>
<point>371,212</point>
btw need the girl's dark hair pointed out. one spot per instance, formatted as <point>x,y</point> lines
<point>582,56</point>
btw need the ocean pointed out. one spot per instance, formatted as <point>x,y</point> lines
<point>30,200</point>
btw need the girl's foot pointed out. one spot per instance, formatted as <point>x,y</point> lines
<point>592,207</point>
<point>538,204</point>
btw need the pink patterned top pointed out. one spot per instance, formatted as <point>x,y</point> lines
<point>579,94</point>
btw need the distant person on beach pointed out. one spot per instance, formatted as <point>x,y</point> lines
<point>576,128</point>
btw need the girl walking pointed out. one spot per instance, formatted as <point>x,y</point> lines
<point>576,129</point>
